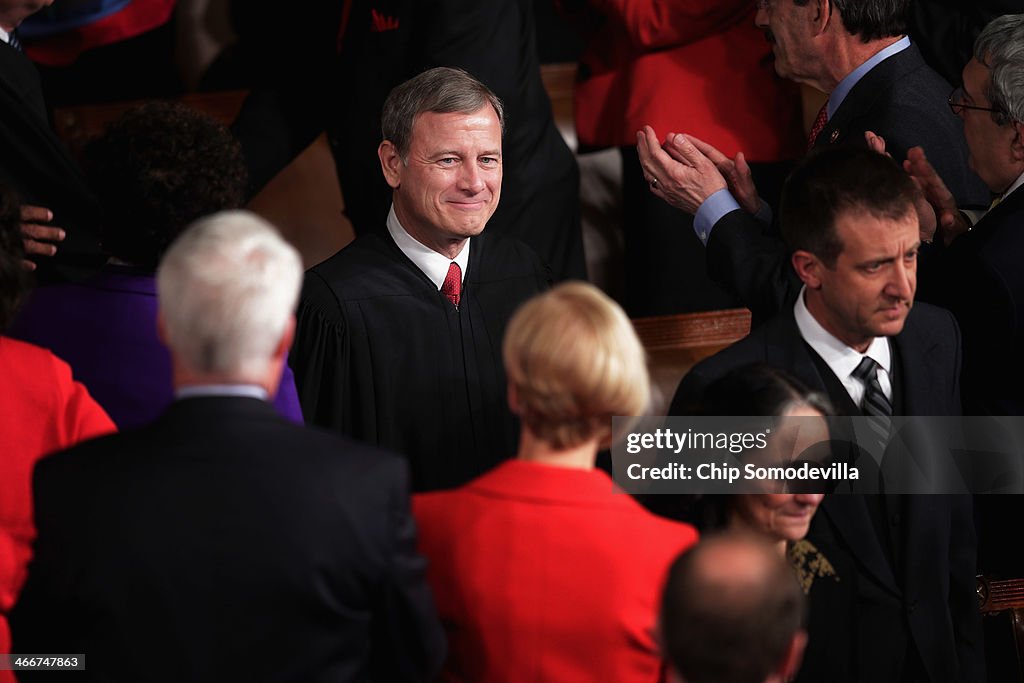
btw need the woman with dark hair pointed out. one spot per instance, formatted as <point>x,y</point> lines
<point>782,517</point>
<point>155,170</point>
<point>42,409</point>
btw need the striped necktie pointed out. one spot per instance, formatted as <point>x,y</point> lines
<point>12,40</point>
<point>875,404</point>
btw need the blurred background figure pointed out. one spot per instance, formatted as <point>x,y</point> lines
<point>155,170</point>
<point>42,409</point>
<point>536,561</point>
<point>695,67</point>
<point>731,612</point>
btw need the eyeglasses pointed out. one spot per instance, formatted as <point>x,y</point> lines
<point>957,106</point>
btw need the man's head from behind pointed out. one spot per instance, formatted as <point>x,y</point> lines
<point>991,103</point>
<point>155,170</point>
<point>732,612</point>
<point>442,156</point>
<point>227,290</point>
<point>848,216</point>
<point>799,30</point>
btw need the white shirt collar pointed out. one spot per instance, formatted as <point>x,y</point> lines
<point>245,390</point>
<point>5,36</point>
<point>433,264</point>
<point>841,359</point>
<point>1016,184</point>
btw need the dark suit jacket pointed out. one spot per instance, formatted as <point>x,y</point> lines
<point>334,70</point>
<point>223,543</point>
<point>36,165</point>
<point>980,279</point>
<point>881,610</point>
<point>901,99</point>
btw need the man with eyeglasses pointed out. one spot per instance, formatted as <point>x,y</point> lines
<point>977,273</point>
<point>859,54</point>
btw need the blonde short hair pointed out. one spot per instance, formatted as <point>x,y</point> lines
<point>574,361</point>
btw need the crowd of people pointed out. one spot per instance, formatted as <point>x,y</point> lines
<point>218,465</point>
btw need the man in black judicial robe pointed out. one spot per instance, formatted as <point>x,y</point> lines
<point>399,334</point>
<point>329,65</point>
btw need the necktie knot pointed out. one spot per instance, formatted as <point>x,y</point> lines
<point>866,370</point>
<point>452,286</point>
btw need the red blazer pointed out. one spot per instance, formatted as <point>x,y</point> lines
<point>542,573</point>
<point>686,66</point>
<point>42,410</point>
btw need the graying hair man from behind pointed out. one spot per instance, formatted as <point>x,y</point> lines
<point>228,290</point>
<point>222,522</point>
<point>732,612</point>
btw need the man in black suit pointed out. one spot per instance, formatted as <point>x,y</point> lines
<point>908,612</point>
<point>35,163</point>
<point>858,53</point>
<point>222,542</point>
<point>976,273</point>
<point>330,66</point>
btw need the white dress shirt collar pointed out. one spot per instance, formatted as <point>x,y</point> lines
<point>1016,185</point>
<point>203,390</point>
<point>433,264</point>
<point>841,359</point>
<point>5,36</point>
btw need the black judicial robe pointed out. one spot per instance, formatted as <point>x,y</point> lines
<point>382,356</point>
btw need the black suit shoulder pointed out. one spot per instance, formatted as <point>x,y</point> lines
<point>905,101</point>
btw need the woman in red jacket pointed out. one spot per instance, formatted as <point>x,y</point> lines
<point>541,571</point>
<point>684,66</point>
<point>42,409</point>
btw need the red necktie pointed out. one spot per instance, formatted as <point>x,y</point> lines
<point>819,125</point>
<point>452,287</point>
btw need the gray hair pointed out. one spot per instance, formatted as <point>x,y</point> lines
<point>1000,47</point>
<point>442,90</point>
<point>227,289</point>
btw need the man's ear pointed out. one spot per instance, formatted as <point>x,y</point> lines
<point>161,328</point>
<point>390,163</point>
<point>808,268</point>
<point>283,346</point>
<point>821,15</point>
<point>1017,145</point>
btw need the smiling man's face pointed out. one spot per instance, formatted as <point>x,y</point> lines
<point>449,185</point>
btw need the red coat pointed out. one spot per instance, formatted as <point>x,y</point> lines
<point>542,573</point>
<point>686,66</point>
<point>42,409</point>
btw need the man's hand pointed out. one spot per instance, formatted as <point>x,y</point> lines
<point>39,239</point>
<point>925,212</point>
<point>735,171</point>
<point>949,219</point>
<point>685,178</point>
